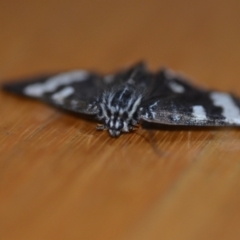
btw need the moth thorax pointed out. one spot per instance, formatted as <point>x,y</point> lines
<point>118,111</point>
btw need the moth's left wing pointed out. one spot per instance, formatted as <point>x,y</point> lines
<point>177,102</point>
<point>73,90</point>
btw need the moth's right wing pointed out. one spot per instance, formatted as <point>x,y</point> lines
<point>74,90</point>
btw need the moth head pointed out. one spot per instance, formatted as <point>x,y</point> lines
<point>114,127</point>
<point>116,124</point>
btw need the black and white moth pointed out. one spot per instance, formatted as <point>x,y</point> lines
<point>122,100</point>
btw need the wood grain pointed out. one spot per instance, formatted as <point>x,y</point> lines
<point>62,179</point>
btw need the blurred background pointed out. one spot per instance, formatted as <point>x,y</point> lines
<point>200,38</point>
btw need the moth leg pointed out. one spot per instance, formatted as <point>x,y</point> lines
<point>132,127</point>
<point>135,127</point>
<point>101,127</point>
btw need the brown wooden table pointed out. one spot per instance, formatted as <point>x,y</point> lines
<point>62,179</point>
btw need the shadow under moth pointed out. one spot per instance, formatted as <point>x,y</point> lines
<point>122,100</point>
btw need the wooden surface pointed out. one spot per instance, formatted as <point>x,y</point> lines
<point>62,179</point>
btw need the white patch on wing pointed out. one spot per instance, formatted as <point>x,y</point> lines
<point>176,87</point>
<point>38,89</point>
<point>34,90</point>
<point>62,94</point>
<point>230,109</point>
<point>199,113</point>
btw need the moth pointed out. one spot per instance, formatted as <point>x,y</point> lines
<point>122,100</point>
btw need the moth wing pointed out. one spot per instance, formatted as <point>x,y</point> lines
<point>175,101</point>
<point>73,90</point>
